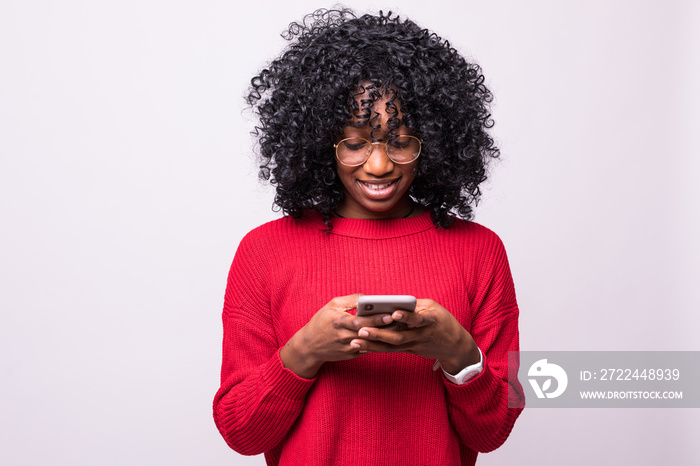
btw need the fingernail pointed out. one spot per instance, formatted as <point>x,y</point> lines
<point>354,344</point>
<point>363,333</point>
<point>387,319</point>
<point>396,316</point>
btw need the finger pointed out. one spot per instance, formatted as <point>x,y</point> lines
<point>355,323</point>
<point>391,337</point>
<point>344,303</point>
<point>345,336</point>
<point>350,324</point>
<point>364,346</point>
<point>376,320</point>
<point>413,319</point>
<point>360,347</point>
<point>396,326</point>
<point>425,304</point>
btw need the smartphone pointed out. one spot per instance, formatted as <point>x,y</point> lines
<point>384,304</point>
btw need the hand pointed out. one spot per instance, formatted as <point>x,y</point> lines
<point>327,337</point>
<point>431,331</point>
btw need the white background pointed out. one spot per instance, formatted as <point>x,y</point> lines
<point>127,180</point>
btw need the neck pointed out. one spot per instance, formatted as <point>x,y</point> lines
<point>407,209</point>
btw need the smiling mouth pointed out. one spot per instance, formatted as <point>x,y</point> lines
<point>376,186</point>
<point>379,190</point>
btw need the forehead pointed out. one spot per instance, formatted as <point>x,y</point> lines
<point>374,107</point>
<point>371,95</point>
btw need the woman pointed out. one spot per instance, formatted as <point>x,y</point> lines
<point>374,132</point>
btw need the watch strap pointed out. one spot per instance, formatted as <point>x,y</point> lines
<point>466,374</point>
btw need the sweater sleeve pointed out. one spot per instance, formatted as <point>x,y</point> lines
<point>480,410</point>
<point>259,399</point>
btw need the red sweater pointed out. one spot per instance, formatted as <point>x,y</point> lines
<point>378,409</point>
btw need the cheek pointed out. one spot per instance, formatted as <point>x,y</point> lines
<point>344,175</point>
<point>409,172</point>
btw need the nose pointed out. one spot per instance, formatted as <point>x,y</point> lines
<point>378,163</point>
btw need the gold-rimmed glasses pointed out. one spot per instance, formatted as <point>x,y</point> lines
<point>355,151</point>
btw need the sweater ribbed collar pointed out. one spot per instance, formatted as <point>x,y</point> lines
<point>370,229</point>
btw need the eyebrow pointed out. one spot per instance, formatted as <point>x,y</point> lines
<point>359,124</point>
<point>397,131</point>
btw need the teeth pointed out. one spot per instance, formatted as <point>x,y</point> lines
<point>377,187</point>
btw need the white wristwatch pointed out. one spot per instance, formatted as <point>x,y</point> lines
<point>466,374</point>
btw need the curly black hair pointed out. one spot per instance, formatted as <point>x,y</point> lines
<point>306,96</point>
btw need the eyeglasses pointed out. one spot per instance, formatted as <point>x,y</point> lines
<point>354,152</point>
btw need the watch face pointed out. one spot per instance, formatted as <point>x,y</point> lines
<point>465,375</point>
<point>470,375</point>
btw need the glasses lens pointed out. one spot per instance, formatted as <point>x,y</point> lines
<point>403,149</point>
<point>400,149</point>
<point>353,151</point>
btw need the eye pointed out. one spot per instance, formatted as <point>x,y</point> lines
<point>396,144</point>
<point>355,144</point>
<point>400,142</point>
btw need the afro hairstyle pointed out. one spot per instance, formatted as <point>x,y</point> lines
<point>305,97</point>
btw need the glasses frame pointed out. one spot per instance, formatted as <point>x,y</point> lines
<point>386,146</point>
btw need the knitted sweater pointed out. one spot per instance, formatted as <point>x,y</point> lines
<point>378,409</point>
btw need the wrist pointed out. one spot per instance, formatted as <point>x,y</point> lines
<point>296,357</point>
<point>466,374</point>
<point>468,356</point>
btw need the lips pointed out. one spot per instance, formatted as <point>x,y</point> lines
<point>378,189</point>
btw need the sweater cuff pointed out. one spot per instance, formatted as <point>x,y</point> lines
<point>478,392</point>
<point>287,383</point>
